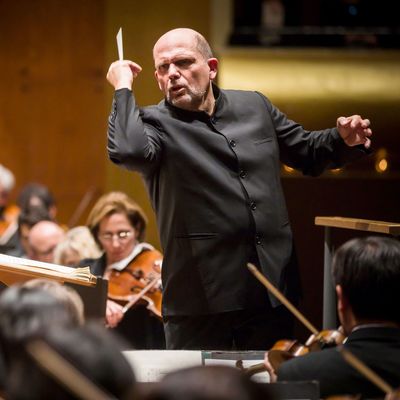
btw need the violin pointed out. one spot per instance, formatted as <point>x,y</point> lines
<point>8,222</point>
<point>284,350</point>
<point>138,283</point>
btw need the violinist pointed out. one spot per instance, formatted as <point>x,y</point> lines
<point>118,226</point>
<point>366,273</point>
<point>8,213</point>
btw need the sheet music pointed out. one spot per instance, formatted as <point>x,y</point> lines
<point>153,365</point>
<point>77,272</point>
<point>119,45</point>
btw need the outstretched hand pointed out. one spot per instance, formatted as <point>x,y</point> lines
<point>122,73</point>
<point>354,130</point>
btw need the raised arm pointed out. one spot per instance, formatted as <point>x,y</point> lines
<point>122,73</point>
<point>133,141</point>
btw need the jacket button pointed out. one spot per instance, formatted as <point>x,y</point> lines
<point>242,174</point>
<point>258,239</point>
<point>253,205</point>
<point>232,143</point>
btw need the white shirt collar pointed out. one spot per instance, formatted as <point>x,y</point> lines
<point>120,265</point>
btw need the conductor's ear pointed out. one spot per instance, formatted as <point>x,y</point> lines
<point>158,80</point>
<point>213,65</point>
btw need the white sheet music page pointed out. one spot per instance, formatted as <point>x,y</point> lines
<point>119,45</point>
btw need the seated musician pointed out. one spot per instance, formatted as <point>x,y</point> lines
<point>43,239</point>
<point>118,225</point>
<point>78,244</point>
<point>8,213</point>
<point>366,273</point>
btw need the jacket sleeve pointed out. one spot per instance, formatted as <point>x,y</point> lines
<point>133,142</point>
<point>310,151</point>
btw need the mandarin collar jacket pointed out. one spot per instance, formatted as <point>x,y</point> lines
<point>214,182</point>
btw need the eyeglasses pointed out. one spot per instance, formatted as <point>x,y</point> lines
<point>121,236</point>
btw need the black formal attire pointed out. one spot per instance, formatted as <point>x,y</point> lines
<point>139,328</point>
<point>214,183</point>
<point>377,347</point>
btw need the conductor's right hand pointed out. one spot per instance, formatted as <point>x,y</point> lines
<point>122,73</point>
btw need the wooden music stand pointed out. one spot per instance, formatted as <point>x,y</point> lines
<point>329,296</point>
<point>92,289</point>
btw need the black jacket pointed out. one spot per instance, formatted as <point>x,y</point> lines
<point>214,183</point>
<point>378,347</point>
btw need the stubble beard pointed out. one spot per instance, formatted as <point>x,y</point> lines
<point>191,100</point>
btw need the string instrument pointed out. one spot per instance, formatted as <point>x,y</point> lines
<point>8,222</point>
<point>284,350</point>
<point>138,283</point>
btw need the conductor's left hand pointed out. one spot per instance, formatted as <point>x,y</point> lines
<point>354,130</point>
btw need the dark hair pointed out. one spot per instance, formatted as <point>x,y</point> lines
<point>26,313</point>
<point>207,383</point>
<point>368,270</point>
<point>35,190</point>
<point>91,350</point>
<point>32,216</point>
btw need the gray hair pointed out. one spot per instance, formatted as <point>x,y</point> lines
<point>7,179</point>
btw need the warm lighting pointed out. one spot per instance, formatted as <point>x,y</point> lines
<point>381,162</point>
<point>336,170</point>
<point>382,165</point>
<point>288,169</point>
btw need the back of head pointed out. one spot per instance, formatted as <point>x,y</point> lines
<point>65,294</point>
<point>92,351</point>
<point>27,312</point>
<point>207,383</point>
<point>368,270</point>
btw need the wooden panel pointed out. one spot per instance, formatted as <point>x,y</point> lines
<point>53,118</point>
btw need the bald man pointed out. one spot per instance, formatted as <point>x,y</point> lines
<point>43,239</point>
<point>210,159</point>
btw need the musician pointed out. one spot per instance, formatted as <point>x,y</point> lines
<point>118,226</point>
<point>37,195</point>
<point>8,213</point>
<point>366,273</point>
<point>43,239</point>
<point>26,220</point>
<point>210,159</point>
<point>77,245</point>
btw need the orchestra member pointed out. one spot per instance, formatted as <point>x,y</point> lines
<point>118,225</point>
<point>366,272</point>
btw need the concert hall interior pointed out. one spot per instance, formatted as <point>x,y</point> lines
<point>314,60</point>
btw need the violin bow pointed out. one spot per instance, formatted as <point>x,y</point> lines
<point>65,373</point>
<point>356,363</point>
<point>282,298</point>
<point>138,296</point>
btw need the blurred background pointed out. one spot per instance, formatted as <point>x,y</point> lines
<point>316,60</point>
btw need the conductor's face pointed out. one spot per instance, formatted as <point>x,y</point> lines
<point>184,74</point>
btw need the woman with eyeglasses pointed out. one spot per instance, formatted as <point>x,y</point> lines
<point>118,226</point>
